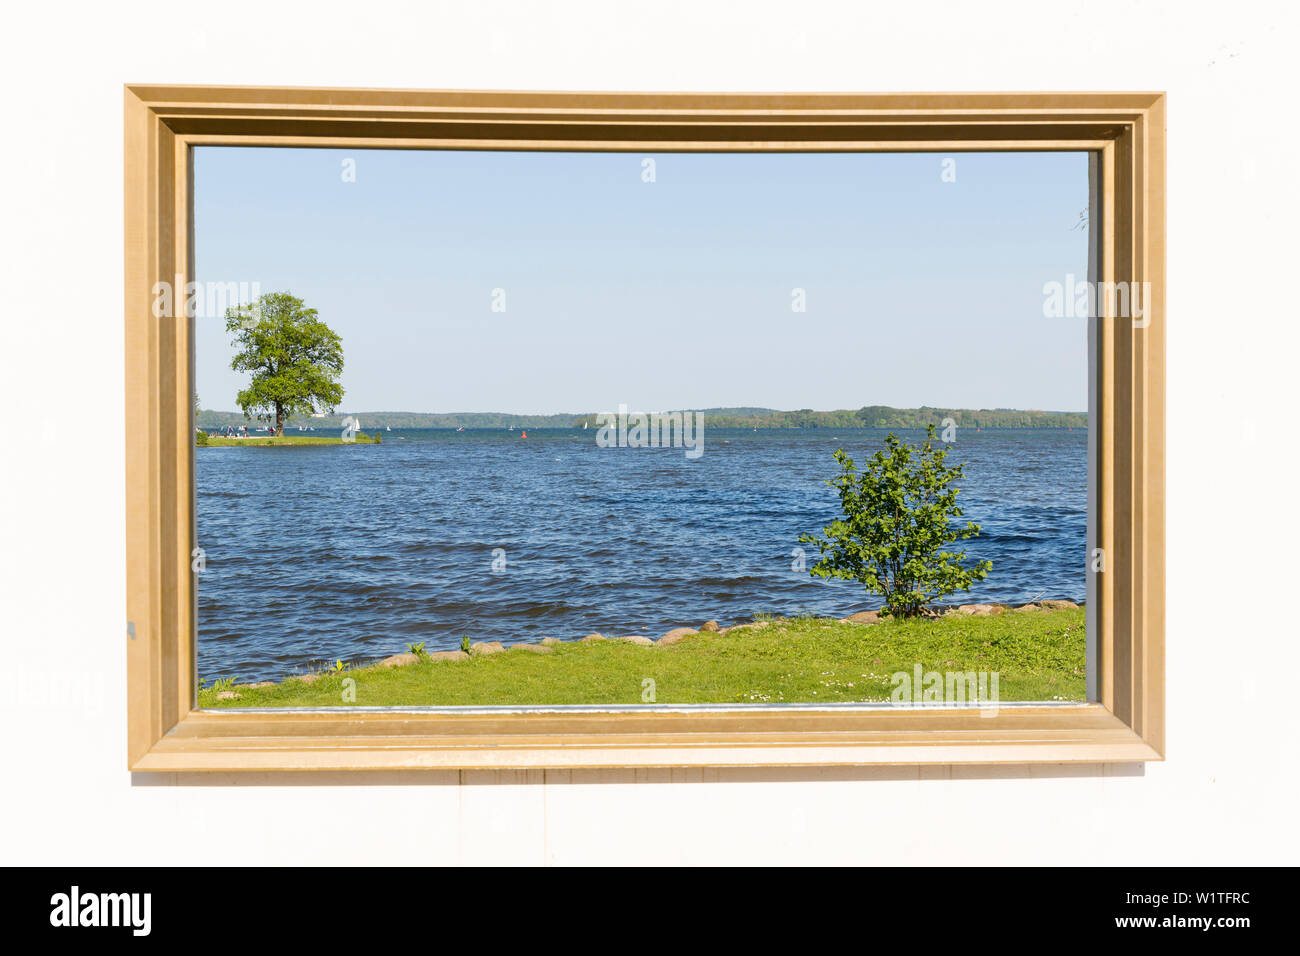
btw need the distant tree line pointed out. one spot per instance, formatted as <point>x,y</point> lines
<point>882,416</point>
<point>870,416</point>
<point>208,418</point>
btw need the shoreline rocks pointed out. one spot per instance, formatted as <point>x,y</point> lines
<point>1057,605</point>
<point>990,609</point>
<point>978,610</point>
<point>675,635</point>
<point>399,660</point>
<point>862,617</point>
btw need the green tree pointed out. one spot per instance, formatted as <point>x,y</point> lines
<point>295,358</point>
<point>895,531</point>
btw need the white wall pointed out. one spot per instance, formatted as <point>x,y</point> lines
<point>1224,795</point>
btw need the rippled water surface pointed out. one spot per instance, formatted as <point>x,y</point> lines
<point>317,553</point>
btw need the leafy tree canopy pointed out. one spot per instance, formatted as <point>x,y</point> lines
<point>295,359</point>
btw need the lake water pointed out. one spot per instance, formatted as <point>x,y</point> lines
<point>318,553</point>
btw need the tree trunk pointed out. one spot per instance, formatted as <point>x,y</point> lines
<point>279,420</point>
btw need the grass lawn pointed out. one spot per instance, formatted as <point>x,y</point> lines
<point>216,442</point>
<point>1039,656</point>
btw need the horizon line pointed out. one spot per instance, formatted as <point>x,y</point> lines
<point>711,408</point>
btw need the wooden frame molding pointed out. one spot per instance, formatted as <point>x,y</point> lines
<point>165,731</point>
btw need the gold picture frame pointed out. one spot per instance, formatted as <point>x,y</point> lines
<point>1125,132</point>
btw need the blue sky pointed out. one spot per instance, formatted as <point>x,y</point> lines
<point>667,294</point>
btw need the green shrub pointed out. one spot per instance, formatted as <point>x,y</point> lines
<point>895,531</point>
